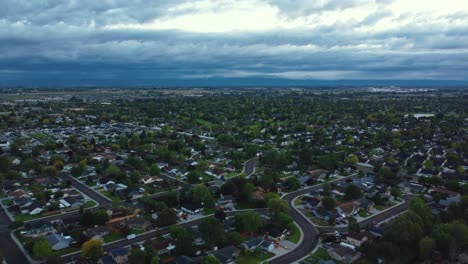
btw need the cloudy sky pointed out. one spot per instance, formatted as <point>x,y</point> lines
<point>177,42</point>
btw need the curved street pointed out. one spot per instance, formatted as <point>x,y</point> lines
<point>310,232</point>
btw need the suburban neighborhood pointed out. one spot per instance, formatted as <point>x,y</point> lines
<point>233,176</point>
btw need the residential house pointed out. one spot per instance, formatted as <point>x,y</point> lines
<point>106,259</point>
<point>310,202</point>
<point>348,209</point>
<point>227,201</point>
<point>57,241</point>
<point>189,260</point>
<point>323,213</point>
<point>72,202</point>
<point>97,233</point>
<point>119,254</point>
<point>365,204</point>
<point>356,239</point>
<point>305,180</point>
<point>258,242</point>
<point>192,208</point>
<point>365,167</point>
<point>32,209</point>
<point>448,197</point>
<point>274,232</point>
<point>318,174</point>
<point>226,255</point>
<point>343,254</point>
<point>37,228</point>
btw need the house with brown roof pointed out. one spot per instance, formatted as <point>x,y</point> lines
<point>348,209</point>
<point>356,239</point>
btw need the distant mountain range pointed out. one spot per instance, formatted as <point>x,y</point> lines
<point>233,82</point>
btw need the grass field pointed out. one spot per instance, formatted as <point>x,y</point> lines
<point>206,124</point>
<point>111,237</point>
<point>295,234</point>
<point>252,259</point>
<point>321,253</point>
<point>298,200</point>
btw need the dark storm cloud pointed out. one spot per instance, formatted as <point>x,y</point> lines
<point>68,42</point>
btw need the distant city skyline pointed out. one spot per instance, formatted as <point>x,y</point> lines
<point>228,43</point>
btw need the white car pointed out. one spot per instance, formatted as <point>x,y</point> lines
<point>131,236</point>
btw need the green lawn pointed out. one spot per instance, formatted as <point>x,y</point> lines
<point>231,174</point>
<point>321,253</point>
<point>383,207</point>
<point>363,213</point>
<point>110,196</point>
<point>23,218</point>
<point>137,231</point>
<point>298,200</point>
<point>319,221</point>
<point>89,204</point>
<point>206,123</point>
<point>111,237</point>
<point>252,259</point>
<point>7,202</point>
<point>295,234</point>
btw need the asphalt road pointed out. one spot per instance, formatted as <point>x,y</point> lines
<point>249,166</point>
<point>11,251</point>
<point>374,219</point>
<point>101,199</point>
<point>310,233</point>
<point>147,236</point>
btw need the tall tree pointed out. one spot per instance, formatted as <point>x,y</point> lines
<point>41,248</point>
<point>92,249</point>
<point>184,243</point>
<point>137,256</point>
<point>210,260</point>
<point>248,221</point>
<point>212,231</point>
<point>426,248</point>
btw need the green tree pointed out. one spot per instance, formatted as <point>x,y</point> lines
<point>395,192</point>
<point>266,180</point>
<point>101,217</point>
<point>212,231</point>
<point>426,248</point>
<point>234,238</point>
<point>293,183</point>
<point>137,256</point>
<point>202,194</point>
<point>113,171</point>
<point>184,243</point>
<point>353,192</point>
<point>167,217</point>
<point>194,177</point>
<point>49,171</point>
<point>154,170</point>
<point>210,260</point>
<point>418,206</point>
<point>92,249</point>
<point>328,203</point>
<point>353,225</point>
<point>428,164</point>
<point>352,159</point>
<point>41,248</point>
<point>276,207</point>
<point>55,258</point>
<point>248,221</point>
<point>155,259</point>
